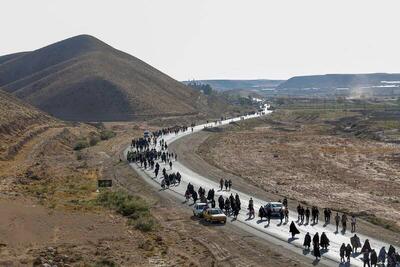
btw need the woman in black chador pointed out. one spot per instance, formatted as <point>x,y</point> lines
<point>317,252</point>
<point>324,241</point>
<point>293,230</point>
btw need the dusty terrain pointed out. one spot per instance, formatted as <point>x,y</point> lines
<point>49,216</point>
<point>19,122</point>
<point>307,159</point>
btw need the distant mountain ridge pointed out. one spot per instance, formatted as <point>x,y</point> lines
<point>84,79</point>
<point>338,80</point>
<point>225,85</point>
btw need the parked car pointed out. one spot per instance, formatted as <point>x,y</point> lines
<point>199,208</point>
<point>275,207</point>
<point>214,215</point>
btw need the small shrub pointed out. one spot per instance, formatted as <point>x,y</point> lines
<point>105,263</point>
<point>145,224</point>
<point>133,207</point>
<point>93,140</point>
<point>136,209</point>
<point>106,134</point>
<point>81,145</point>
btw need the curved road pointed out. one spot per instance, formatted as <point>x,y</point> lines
<point>275,233</point>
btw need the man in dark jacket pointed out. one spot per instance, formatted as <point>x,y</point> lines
<point>307,241</point>
<point>366,258</point>
<point>374,258</point>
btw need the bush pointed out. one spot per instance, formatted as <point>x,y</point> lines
<point>93,140</point>
<point>133,207</point>
<point>129,206</point>
<point>106,134</point>
<point>145,224</point>
<point>105,263</point>
<point>81,145</point>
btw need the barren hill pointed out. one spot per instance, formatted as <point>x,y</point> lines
<point>84,79</point>
<point>18,123</point>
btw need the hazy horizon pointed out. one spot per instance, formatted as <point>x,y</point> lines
<point>220,39</point>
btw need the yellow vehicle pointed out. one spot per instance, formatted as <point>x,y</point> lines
<point>214,215</point>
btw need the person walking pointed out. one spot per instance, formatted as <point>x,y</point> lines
<point>317,214</point>
<point>342,252</point>
<point>269,215</point>
<point>221,184</point>
<point>302,211</point>
<point>285,202</point>
<point>344,223</point>
<point>366,258</point>
<point>355,242</point>
<point>298,212</point>
<point>353,223</point>
<point>382,255</point>
<point>236,211</point>
<point>337,221</point>
<point>307,241</point>
<point>187,195</point>
<point>307,212</point>
<point>238,203</point>
<point>293,229</point>
<point>286,215</point>
<point>374,258</point>
<point>221,202</point>
<point>324,241</point>
<point>212,203</point>
<point>317,252</point>
<point>230,184</point>
<point>348,252</point>
<point>194,196</point>
<point>281,215</point>
<point>251,208</point>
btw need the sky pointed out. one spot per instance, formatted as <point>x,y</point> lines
<point>220,39</point>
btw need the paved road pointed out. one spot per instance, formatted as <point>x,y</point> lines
<point>274,232</point>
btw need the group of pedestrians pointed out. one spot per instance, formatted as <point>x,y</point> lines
<point>147,157</point>
<point>369,255</point>
<point>303,215</point>
<point>230,205</point>
<point>343,220</point>
<point>225,182</point>
<point>319,243</point>
<point>174,129</point>
<point>170,179</point>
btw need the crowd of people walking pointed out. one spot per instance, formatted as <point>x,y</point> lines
<point>144,153</point>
